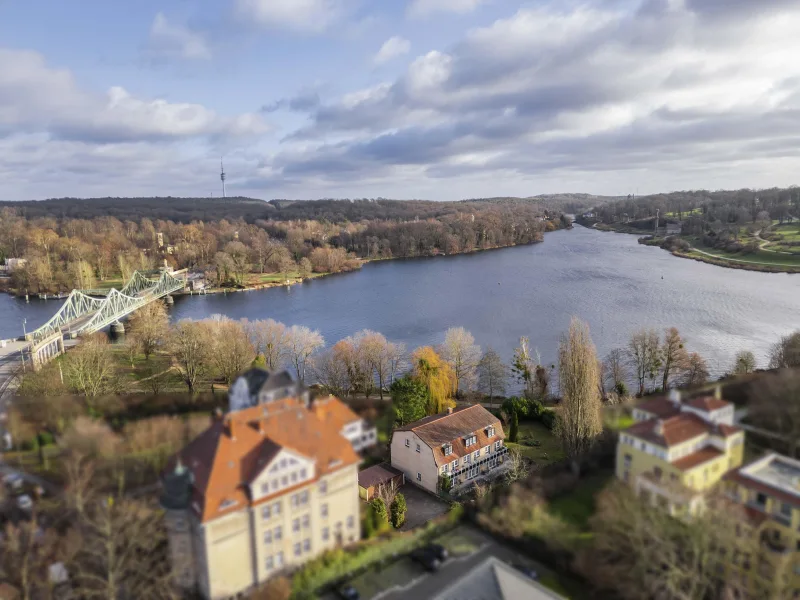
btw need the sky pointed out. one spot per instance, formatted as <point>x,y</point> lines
<point>433,99</point>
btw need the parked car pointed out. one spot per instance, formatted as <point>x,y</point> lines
<point>525,570</point>
<point>427,558</point>
<point>439,551</point>
<point>348,592</point>
<point>13,483</point>
<point>25,502</point>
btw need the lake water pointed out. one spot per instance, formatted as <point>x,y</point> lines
<point>607,279</point>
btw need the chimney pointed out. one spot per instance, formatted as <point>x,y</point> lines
<point>718,392</point>
<point>232,427</point>
<point>659,428</point>
<point>450,410</point>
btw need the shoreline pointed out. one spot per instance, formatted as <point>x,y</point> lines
<point>290,282</point>
<point>647,238</point>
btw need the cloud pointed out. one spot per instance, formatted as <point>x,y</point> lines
<point>424,8</point>
<point>36,98</point>
<point>309,16</point>
<point>392,48</point>
<point>669,85</point>
<point>176,41</point>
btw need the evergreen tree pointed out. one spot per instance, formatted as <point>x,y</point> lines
<point>513,434</point>
<point>398,511</point>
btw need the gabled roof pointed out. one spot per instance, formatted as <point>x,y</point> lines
<point>660,407</point>
<point>377,475</point>
<point>333,410</point>
<point>707,403</point>
<point>696,459</point>
<point>437,430</point>
<point>231,453</point>
<point>678,429</point>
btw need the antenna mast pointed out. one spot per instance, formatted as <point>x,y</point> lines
<point>222,176</point>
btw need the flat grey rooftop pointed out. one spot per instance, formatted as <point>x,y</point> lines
<point>778,472</point>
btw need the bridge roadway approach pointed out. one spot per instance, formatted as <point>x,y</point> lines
<point>83,313</point>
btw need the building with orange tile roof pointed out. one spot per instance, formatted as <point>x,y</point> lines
<point>677,450</point>
<point>262,490</point>
<point>461,443</point>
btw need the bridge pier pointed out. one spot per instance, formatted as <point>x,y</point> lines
<point>117,328</point>
<point>169,300</point>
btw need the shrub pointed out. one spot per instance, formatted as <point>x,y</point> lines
<point>259,361</point>
<point>548,418</point>
<point>445,482</point>
<point>514,432</point>
<point>621,389</point>
<point>399,511</point>
<point>456,512</point>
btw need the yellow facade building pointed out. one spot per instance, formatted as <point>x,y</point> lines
<point>677,450</point>
<point>260,492</point>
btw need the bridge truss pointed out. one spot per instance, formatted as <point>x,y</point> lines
<point>82,314</point>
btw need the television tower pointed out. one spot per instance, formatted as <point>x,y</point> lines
<point>222,176</point>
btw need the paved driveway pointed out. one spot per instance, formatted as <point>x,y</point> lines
<point>421,506</point>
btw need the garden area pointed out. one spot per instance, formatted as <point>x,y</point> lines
<point>537,443</point>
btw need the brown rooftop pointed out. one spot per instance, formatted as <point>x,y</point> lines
<point>707,403</point>
<point>660,407</point>
<point>678,429</point>
<point>377,475</point>
<point>453,427</point>
<point>697,458</point>
<point>231,453</point>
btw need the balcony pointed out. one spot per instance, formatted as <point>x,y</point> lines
<point>775,545</point>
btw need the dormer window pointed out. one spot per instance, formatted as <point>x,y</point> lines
<point>470,439</point>
<point>228,504</point>
<point>490,431</point>
<point>447,449</point>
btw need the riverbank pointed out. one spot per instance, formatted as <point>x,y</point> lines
<point>761,260</point>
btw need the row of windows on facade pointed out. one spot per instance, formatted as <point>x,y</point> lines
<point>284,481</point>
<point>673,454</point>
<point>760,500</point>
<point>470,457</point>
<point>276,534</point>
<point>448,449</point>
<point>273,510</point>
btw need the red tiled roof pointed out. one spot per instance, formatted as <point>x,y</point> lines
<point>334,410</point>
<point>438,430</point>
<point>697,458</point>
<point>231,453</point>
<point>674,430</point>
<point>660,407</point>
<point>707,403</point>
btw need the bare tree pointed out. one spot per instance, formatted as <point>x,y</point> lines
<point>149,325</point>
<point>696,371</point>
<point>232,350</point>
<point>643,353</point>
<point>674,356</point>
<point>463,354</point>
<point>376,352</point>
<point>387,492</point>
<point>90,367</point>
<point>614,369</point>
<point>516,466</point>
<point>775,406</point>
<point>191,346</point>
<point>744,363</point>
<point>122,555</point>
<point>302,342</point>
<point>397,359</point>
<point>80,486</point>
<point>580,420</point>
<point>641,551</point>
<point>269,338</point>
<point>492,374</point>
<point>331,368</point>
<point>786,352</point>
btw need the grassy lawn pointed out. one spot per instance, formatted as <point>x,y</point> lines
<point>578,506</point>
<point>616,419</point>
<point>758,257</point>
<point>460,542</point>
<point>259,278</point>
<point>111,283</point>
<point>549,448</point>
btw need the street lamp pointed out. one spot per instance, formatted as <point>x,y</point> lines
<point>24,322</point>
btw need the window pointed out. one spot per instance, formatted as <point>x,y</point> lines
<point>278,535</point>
<point>467,459</point>
<point>266,512</point>
<point>444,468</point>
<point>296,525</point>
<point>276,508</point>
<point>497,445</point>
<point>274,484</point>
<point>455,463</point>
<point>419,476</point>
<point>306,521</point>
<point>643,446</point>
<point>488,449</point>
<point>326,534</point>
<point>306,545</point>
<point>297,549</point>
<point>270,563</point>
<point>447,449</point>
<point>303,473</point>
<point>294,476</point>
<point>284,480</point>
<point>279,559</point>
<point>265,488</point>
<point>283,463</point>
<point>490,431</point>
<point>418,449</point>
<point>469,440</point>
<point>267,537</point>
<point>786,510</point>
<point>323,487</point>
<point>761,499</point>
<point>324,510</point>
<point>477,455</point>
<point>351,522</point>
<point>408,443</point>
<point>228,503</point>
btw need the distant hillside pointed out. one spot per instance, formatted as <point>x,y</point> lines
<point>184,210</point>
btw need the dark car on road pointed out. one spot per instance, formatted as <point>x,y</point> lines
<point>438,551</point>
<point>348,592</point>
<point>430,557</point>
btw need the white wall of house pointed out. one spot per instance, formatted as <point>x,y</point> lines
<point>360,434</point>
<point>414,458</point>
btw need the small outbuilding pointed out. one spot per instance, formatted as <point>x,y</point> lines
<point>383,474</point>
